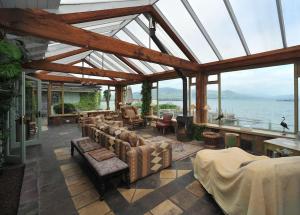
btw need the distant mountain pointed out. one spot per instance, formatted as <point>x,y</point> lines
<point>173,94</point>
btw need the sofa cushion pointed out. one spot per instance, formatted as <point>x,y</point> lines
<point>102,154</point>
<point>106,167</point>
<point>112,130</point>
<point>131,113</point>
<point>124,136</point>
<point>104,128</point>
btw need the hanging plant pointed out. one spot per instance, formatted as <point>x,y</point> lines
<point>146,98</point>
<point>10,61</point>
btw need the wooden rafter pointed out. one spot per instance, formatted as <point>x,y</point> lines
<point>44,26</point>
<point>269,58</point>
<point>71,63</point>
<point>56,78</point>
<point>89,16</point>
<point>64,68</point>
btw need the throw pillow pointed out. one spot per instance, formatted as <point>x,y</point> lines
<point>112,130</point>
<point>132,139</point>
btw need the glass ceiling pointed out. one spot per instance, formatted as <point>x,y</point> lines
<point>212,30</point>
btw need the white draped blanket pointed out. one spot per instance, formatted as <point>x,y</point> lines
<point>264,186</point>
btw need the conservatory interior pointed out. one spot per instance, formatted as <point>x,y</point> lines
<point>141,107</point>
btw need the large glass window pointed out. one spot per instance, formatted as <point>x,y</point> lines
<point>192,97</point>
<point>56,100</point>
<point>170,97</point>
<point>259,98</point>
<point>212,106</point>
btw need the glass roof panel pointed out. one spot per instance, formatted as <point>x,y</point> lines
<point>220,28</point>
<point>103,21</point>
<point>72,6</point>
<point>86,1</point>
<point>259,23</point>
<point>139,65</point>
<point>164,38</point>
<point>91,77</point>
<point>123,36</point>
<point>121,63</point>
<point>92,27</point>
<point>290,9</point>
<point>136,29</point>
<point>181,20</point>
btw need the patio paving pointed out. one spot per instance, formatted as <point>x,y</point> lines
<point>63,185</point>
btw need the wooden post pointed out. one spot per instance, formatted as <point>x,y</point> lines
<point>201,94</point>
<point>62,99</point>
<point>296,96</point>
<point>118,96</point>
<point>49,99</point>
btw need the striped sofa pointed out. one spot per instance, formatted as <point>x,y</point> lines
<point>143,158</point>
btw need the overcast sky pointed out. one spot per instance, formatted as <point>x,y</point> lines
<point>259,23</point>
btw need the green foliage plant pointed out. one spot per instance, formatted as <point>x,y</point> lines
<point>198,132</point>
<point>68,108</point>
<point>11,58</point>
<point>146,98</point>
<point>89,101</point>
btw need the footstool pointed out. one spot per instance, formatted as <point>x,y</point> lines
<point>211,138</point>
<point>104,169</point>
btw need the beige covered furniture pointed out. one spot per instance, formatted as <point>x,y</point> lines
<point>242,183</point>
<point>131,117</point>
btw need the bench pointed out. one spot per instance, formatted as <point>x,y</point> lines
<point>104,169</point>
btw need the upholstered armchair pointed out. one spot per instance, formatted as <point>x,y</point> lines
<point>165,123</point>
<point>131,117</point>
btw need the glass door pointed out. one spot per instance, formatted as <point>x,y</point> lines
<point>32,117</point>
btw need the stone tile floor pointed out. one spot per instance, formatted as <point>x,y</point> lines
<point>56,183</point>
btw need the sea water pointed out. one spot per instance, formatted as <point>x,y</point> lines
<point>250,113</point>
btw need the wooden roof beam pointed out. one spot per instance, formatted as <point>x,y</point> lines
<point>56,78</point>
<point>44,26</point>
<point>79,17</point>
<point>65,68</point>
<point>269,58</point>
